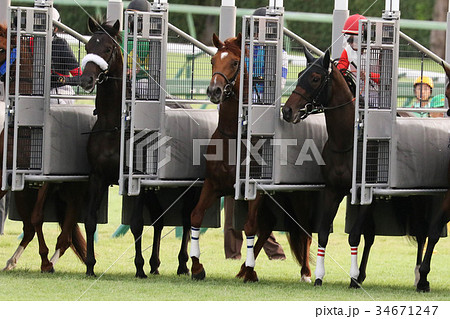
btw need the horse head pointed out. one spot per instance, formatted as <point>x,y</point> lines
<point>311,92</point>
<point>103,54</point>
<point>225,68</point>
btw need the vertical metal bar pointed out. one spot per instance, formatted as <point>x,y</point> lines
<point>7,102</point>
<point>237,186</point>
<point>250,105</point>
<point>340,15</point>
<point>227,23</point>
<point>124,110</point>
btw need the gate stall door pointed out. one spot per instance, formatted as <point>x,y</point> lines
<point>26,92</point>
<point>259,103</point>
<point>375,112</point>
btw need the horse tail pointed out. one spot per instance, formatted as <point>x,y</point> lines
<point>79,245</point>
<point>299,241</point>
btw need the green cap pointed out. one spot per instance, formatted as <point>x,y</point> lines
<point>438,101</point>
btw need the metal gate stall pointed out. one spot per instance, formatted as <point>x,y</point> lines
<point>158,143</point>
<point>37,133</point>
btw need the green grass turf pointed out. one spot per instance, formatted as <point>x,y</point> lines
<point>390,271</point>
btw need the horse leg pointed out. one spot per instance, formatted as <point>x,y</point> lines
<point>37,220</point>
<point>97,189</point>
<point>250,229</point>
<point>207,198</point>
<point>420,245</point>
<point>154,259</point>
<point>331,204</point>
<point>354,239</point>
<point>24,209</point>
<point>68,221</point>
<point>436,227</point>
<point>183,257</point>
<point>262,238</point>
<point>137,227</point>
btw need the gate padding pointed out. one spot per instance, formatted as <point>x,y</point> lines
<point>422,153</point>
<point>54,204</point>
<point>67,154</point>
<point>172,203</point>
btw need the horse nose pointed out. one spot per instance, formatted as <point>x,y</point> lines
<point>87,82</point>
<point>214,94</point>
<point>287,113</point>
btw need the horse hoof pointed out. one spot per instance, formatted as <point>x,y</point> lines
<point>423,287</point>
<point>199,276</point>
<point>154,272</point>
<point>318,283</point>
<point>182,270</point>
<point>306,279</point>
<point>241,272</point>
<point>141,275</point>
<point>354,284</point>
<point>361,278</point>
<point>90,274</point>
<point>48,271</point>
<point>250,275</point>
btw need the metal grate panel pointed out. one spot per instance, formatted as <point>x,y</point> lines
<point>377,162</point>
<point>262,167</point>
<point>29,147</point>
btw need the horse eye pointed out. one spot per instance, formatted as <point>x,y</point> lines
<point>316,79</point>
<point>235,63</point>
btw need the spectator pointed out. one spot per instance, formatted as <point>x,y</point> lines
<point>423,89</point>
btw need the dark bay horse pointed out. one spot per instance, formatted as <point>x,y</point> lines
<point>103,67</point>
<point>220,174</point>
<point>30,202</point>
<point>321,87</point>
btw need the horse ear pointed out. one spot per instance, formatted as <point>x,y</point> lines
<point>309,56</point>
<point>326,59</point>
<point>92,25</point>
<point>116,27</point>
<point>446,67</point>
<point>239,40</point>
<point>217,43</point>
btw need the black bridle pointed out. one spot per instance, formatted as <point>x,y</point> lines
<point>318,100</point>
<point>228,88</point>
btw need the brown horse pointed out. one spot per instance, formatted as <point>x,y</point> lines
<point>30,202</point>
<point>320,89</point>
<point>103,68</point>
<point>220,174</point>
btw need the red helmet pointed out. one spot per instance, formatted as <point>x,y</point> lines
<point>352,24</point>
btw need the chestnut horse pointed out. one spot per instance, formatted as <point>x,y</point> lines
<point>220,174</point>
<point>30,202</point>
<point>103,67</point>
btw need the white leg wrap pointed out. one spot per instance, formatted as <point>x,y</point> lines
<point>354,270</point>
<point>416,275</point>
<point>320,264</point>
<point>55,256</point>
<point>250,261</point>
<point>195,246</point>
<point>12,262</point>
